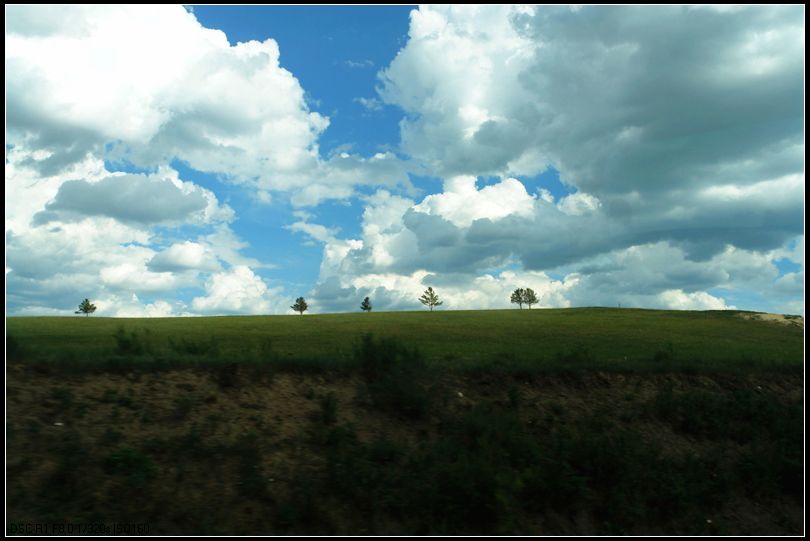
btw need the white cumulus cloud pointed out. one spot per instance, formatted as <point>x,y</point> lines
<point>150,84</point>
<point>238,291</point>
<point>462,203</point>
<point>186,255</point>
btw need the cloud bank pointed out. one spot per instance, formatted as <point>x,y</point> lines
<point>679,130</point>
<point>677,133</point>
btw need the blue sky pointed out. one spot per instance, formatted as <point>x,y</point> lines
<point>335,52</point>
<point>168,161</point>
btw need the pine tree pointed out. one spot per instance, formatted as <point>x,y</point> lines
<point>86,308</point>
<point>529,297</point>
<point>366,305</point>
<point>517,297</point>
<point>300,305</point>
<point>429,298</point>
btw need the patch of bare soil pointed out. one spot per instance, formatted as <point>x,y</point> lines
<point>781,319</point>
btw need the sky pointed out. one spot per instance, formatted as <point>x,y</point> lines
<point>224,160</point>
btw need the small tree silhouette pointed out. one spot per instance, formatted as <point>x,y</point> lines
<point>429,298</point>
<point>86,308</point>
<point>366,305</point>
<point>529,297</point>
<point>517,297</point>
<point>300,305</point>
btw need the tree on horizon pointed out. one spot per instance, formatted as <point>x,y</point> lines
<point>300,305</point>
<point>529,297</point>
<point>86,308</point>
<point>517,297</point>
<point>366,305</point>
<point>430,298</point>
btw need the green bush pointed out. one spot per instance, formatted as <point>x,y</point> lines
<point>226,375</point>
<point>328,409</point>
<point>576,354</point>
<point>62,395</point>
<point>204,348</point>
<point>251,481</point>
<point>183,405</point>
<point>394,377</point>
<point>14,349</point>
<point>378,358</point>
<point>134,464</point>
<point>665,354</point>
<point>128,344</point>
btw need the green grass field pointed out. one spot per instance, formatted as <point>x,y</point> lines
<point>604,338</point>
<point>585,421</point>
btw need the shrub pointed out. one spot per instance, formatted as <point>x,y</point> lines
<point>577,353</point>
<point>137,466</point>
<point>376,358</point>
<point>401,395</point>
<point>393,375</point>
<point>62,395</point>
<point>251,481</point>
<point>328,412</point>
<point>665,354</point>
<point>209,348</point>
<point>226,375</point>
<point>128,344</point>
<point>183,406</point>
<point>14,350</point>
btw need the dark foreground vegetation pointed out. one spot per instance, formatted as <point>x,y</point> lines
<point>385,440</point>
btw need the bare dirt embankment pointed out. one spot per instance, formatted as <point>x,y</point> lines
<point>781,319</point>
<point>237,452</point>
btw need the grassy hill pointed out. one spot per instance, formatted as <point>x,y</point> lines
<point>623,339</point>
<point>545,422</point>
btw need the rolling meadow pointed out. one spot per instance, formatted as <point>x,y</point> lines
<point>564,421</point>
